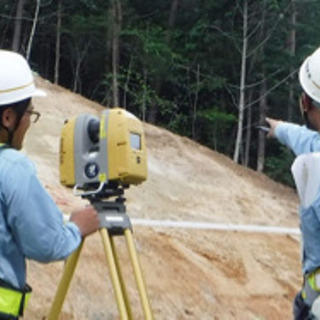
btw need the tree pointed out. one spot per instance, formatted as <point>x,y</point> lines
<point>116,18</point>
<point>292,50</point>
<point>16,40</point>
<point>33,29</point>
<point>158,83</point>
<point>241,106</point>
<point>185,65</point>
<point>58,42</point>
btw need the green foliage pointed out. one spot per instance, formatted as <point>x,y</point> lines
<point>278,167</point>
<point>217,118</point>
<point>217,124</point>
<point>185,64</point>
<point>154,53</point>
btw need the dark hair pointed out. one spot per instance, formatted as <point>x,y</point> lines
<point>19,107</point>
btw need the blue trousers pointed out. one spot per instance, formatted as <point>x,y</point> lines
<point>301,311</point>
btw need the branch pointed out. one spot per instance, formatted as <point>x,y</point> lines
<point>271,89</point>
<point>270,33</point>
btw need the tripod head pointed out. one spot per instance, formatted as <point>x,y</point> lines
<point>112,213</point>
<point>103,192</point>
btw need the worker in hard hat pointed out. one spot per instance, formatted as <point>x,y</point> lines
<point>302,140</point>
<point>31,225</point>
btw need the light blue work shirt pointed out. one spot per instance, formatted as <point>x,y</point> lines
<point>302,140</point>
<point>31,225</point>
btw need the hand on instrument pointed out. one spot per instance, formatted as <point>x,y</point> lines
<point>86,219</point>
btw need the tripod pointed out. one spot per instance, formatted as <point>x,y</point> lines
<point>113,222</point>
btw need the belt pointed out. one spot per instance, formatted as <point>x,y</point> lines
<point>13,301</point>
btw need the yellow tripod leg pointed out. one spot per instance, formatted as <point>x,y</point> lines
<point>117,281</point>
<point>139,277</point>
<point>64,284</point>
<point>122,283</point>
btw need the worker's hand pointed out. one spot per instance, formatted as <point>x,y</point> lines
<point>273,124</point>
<point>86,219</point>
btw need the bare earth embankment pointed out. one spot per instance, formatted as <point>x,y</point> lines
<point>190,274</point>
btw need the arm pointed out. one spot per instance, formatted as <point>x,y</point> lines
<point>36,221</point>
<point>298,138</point>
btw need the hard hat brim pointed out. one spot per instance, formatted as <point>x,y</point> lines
<point>308,86</point>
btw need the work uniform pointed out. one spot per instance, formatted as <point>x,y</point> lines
<point>302,140</point>
<point>31,226</point>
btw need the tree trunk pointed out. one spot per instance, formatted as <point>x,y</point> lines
<point>172,18</point>
<point>262,135</point>
<point>126,85</point>
<point>144,104</point>
<point>242,83</point>
<point>16,40</point>
<point>195,103</point>
<point>77,79</point>
<point>33,29</point>
<point>116,12</point>
<point>4,30</point>
<point>292,49</point>
<point>58,37</point>
<point>248,132</point>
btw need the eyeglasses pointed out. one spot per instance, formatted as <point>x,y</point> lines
<point>34,115</point>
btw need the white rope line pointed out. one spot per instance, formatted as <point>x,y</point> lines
<point>209,226</point>
<point>214,226</point>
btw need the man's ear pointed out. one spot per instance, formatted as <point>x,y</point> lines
<point>8,118</point>
<point>305,103</point>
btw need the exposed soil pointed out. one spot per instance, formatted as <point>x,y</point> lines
<point>190,274</point>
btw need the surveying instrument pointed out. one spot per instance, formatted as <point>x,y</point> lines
<point>100,158</point>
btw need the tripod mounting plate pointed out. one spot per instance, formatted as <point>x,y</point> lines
<point>112,216</point>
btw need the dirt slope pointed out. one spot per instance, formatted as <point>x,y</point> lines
<point>190,274</point>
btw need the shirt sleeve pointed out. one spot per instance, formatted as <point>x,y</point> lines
<point>35,220</point>
<point>298,138</point>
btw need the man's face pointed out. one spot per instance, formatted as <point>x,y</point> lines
<point>310,112</point>
<point>18,129</point>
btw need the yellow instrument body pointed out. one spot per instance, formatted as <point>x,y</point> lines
<point>110,149</point>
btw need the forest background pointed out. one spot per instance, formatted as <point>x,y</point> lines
<point>210,70</point>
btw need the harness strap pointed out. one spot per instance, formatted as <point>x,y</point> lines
<point>311,287</point>
<point>13,301</point>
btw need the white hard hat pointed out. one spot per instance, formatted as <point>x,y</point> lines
<point>309,76</point>
<point>16,79</point>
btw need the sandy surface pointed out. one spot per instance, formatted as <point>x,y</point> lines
<point>190,274</point>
